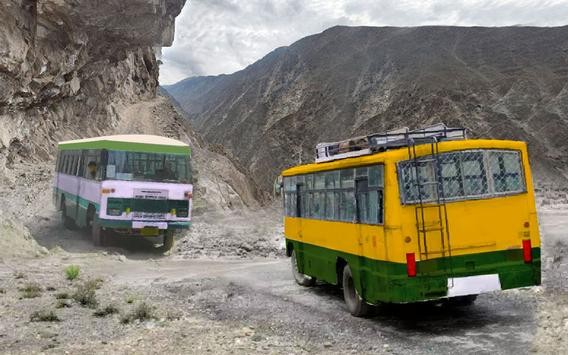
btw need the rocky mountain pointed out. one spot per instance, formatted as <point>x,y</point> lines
<point>81,68</point>
<point>507,82</point>
<point>65,65</point>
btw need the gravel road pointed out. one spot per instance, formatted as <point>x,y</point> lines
<point>247,302</point>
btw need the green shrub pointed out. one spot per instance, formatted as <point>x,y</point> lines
<point>106,311</point>
<point>85,294</point>
<point>72,272</point>
<point>44,316</point>
<point>64,295</point>
<point>31,290</point>
<point>63,303</point>
<point>141,313</point>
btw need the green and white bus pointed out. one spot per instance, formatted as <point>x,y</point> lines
<point>137,185</point>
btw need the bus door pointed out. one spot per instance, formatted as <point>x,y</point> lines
<point>300,205</point>
<point>77,187</point>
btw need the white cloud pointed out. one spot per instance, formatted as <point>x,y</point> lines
<point>223,36</point>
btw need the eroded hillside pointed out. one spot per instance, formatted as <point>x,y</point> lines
<point>71,69</point>
<point>498,82</point>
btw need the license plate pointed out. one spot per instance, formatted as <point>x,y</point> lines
<point>145,224</point>
<point>148,231</point>
<point>473,285</point>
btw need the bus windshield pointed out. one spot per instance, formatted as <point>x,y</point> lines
<point>148,167</point>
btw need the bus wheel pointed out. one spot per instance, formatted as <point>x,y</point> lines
<point>168,241</point>
<point>355,304</point>
<point>97,233</point>
<point>301,279</point>
<point>67,221</point>
<point>461,301</point>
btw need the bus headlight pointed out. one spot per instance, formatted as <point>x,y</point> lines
<point>182,212</point>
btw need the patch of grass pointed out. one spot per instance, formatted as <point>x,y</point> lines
<point>2,291</point>
<point>106,311</point>
<point>72,272</point>
<point>63,303</point>
<point>142,312</point>
<point>19,275</point>
<point>130,299</point>
<point>31,290</point>
<point>85,294</point>
<point>173,315</point>
<point>97,283</point>
<point>44,316</point>
<point>63,295</point>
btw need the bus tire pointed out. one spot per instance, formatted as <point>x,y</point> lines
<point>461,301</point>
<point>355,303</point>
<point>68,222</point>
<point>98,234</point>
<point>301,279</point>
<point>169,237</point>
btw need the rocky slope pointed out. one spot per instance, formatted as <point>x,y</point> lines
<point>498,82</point>
<point>66,64</point>
<point>80,68</point>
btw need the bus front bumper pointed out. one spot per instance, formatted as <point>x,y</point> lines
<point>129,224</point>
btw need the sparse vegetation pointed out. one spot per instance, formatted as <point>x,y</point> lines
<point>142,312</point>
<point>19,275</point>
<point>63,295</point>
<point>85,294</point>
<point>2,291</point>
<point>44,316</point>
<point>106,311</point>
<point>130,299</point>
<point>31,290</point>
<point>63,303</point>
<point>72,272</point>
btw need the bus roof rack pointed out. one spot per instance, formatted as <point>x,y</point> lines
<point>397,138</point>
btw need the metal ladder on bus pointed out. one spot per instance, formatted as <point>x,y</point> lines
<point>440,225</point>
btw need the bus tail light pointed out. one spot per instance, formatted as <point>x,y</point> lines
<point>188,195</point>
<point>411,264</point>
<point>527,251</point>
<point>107,191</point>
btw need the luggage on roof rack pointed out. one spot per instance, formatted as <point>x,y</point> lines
<point>401,137</point>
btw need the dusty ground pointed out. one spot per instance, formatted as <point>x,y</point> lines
<point>226,288</point>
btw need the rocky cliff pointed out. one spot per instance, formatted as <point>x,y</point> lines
<point>81,68</point>
<point>497,82</point>
<point>66,64</point>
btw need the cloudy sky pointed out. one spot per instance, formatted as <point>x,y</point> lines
<point>223,36</point>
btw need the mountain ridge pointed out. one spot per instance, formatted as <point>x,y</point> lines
<point>499,82</point>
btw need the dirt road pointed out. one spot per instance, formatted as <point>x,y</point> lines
<point>242,303</point>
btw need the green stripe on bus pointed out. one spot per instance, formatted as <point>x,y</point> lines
<point>71,198</point>
<point>384,281</point>
<point>127,224</point>
<point>126,146</point>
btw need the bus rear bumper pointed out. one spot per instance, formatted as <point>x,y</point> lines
<point>462,282</point>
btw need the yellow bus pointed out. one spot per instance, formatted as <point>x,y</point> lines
<point>411,216</point>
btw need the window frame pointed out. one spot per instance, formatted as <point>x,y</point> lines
<point>490,193</point>
<point>309,194</point>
